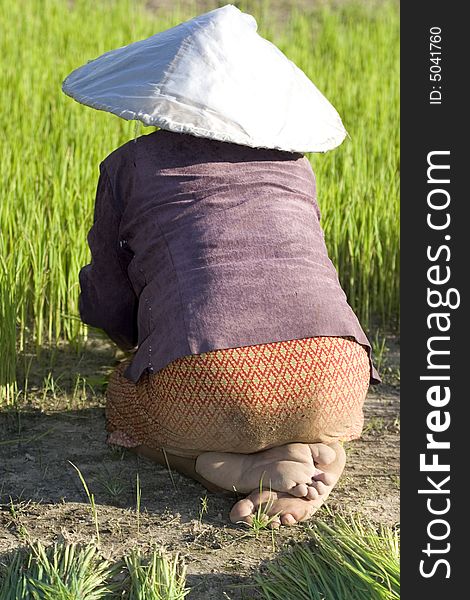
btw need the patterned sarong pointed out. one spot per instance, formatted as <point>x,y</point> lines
<point>244,399</point>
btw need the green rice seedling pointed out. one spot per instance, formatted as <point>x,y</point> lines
<point>60,572</point>
<point>12,508</point>
<point>15,513</point>
<point>79,391</point>
<point>379,349</point>
<point>91,500</point>
<point>261,520</point>
<point>159,576</point>
<point>113,485</point>
<point>13,578</point>
<point>51,386</point>
<point>349,559</point>
<point>203,508</point>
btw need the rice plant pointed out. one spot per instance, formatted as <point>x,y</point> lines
<point>203,508</point>
<point>60,572</point>
<point>51,148</point>
<point>72,572</point>
<point>379,349</point>
<point>158,577</point>
<point>261,520</point>
<point>349,559</point>
<point>112,484</point>
<point>91,500</point>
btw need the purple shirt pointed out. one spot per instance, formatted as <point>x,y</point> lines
<point>200,245</point>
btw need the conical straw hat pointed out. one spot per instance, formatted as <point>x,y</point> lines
<point>212,77</point>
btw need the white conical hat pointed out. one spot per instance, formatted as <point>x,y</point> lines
<point>212,77</point>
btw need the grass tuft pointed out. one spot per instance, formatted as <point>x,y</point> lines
<point>60,572</point>
<point>160,576</point>
<point>73,572</point>
<point>349,559</point>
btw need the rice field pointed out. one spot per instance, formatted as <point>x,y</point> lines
<point>51,148</point>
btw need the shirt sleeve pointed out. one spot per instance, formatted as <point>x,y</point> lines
<point>107,300</point>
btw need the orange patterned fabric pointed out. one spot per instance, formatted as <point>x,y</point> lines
<point>244,399</point>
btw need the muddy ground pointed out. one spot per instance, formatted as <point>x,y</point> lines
<point>61,419</point>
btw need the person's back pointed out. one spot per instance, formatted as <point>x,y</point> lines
<point>222,246</point>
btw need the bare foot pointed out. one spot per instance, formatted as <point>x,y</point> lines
<point>292,468</point>
<point>285,508</point>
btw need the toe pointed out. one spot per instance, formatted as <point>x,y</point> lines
<point>288,519</point>
<point>242,511</point>
<point>322,454</point>
<point>320,487</point>
<point>312,493</point>
<point>245,509</point>
<point>327,478</point>
<point>299,491</point>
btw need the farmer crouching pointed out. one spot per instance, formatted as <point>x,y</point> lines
<point>209,264</point>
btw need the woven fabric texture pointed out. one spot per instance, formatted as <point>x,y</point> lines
<point>244,399</point>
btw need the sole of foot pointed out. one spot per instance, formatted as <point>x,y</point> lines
<point>298,469</point>
<point>282,508</point>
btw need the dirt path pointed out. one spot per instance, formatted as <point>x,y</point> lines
<point>41,495</point>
